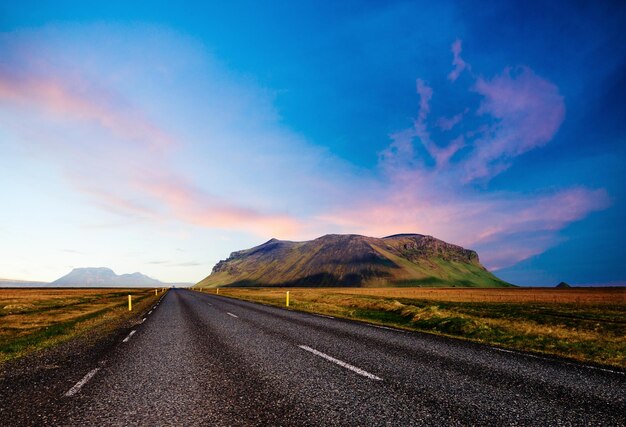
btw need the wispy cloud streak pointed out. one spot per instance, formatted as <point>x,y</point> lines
<point>527,111</point>
<point>79,101</point>
<point>457,61</point>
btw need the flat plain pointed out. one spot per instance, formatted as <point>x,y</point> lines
<point>583,324</point>
<point>37,318</point>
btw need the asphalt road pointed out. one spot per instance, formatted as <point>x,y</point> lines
<point>201,359</point>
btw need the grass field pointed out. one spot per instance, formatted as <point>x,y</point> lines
<point>33,319</point>
<point>586,324</point>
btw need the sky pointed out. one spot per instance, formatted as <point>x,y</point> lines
<point>161,136</point>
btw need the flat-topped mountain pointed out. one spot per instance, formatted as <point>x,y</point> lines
<point>353,260</point>
<point>103,277</point>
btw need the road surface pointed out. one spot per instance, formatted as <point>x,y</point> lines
<point>201,359</point>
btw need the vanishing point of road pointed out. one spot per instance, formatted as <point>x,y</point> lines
<point>200,359</point>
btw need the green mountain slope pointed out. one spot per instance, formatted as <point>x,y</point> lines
<point>353,260</point>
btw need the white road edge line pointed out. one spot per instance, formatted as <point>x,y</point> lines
<point>129,335</point>
<point>599,369</point>
<point>389,329</point>
<point>71,392</point>
<point>231,314</point>
<point>323,315</point>
<point>150,312</point>
<point>143,320</point>
<point>551,360</point>
<point>504,350</point>
<point>340,363</point>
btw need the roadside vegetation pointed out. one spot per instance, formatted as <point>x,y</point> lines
<point>34,319</point>
<point>584,324</point>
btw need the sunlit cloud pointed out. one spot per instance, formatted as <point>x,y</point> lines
<point>194,206</point>
<point>447,123</point>
<point>78,101</point>
<point>527,111</point>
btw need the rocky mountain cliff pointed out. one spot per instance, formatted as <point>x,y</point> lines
<point>353,260</point>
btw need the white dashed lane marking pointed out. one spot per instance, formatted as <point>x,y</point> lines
<point>232,315</point>
<point>129,335</point>
<point>71,392</point>
<point>340,363</point>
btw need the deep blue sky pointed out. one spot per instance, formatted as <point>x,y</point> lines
<point>285,112</point>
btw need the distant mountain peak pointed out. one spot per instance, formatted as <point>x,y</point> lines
<point>103,277</point>
<point>99,269</point>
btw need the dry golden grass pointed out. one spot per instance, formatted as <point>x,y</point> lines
<point>536,295</point>
<point>586,324</point>
<point>583,296</point>
<point>31,319</point>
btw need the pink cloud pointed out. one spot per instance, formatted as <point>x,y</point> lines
<point>115,203</point>
<point>426,93</point>
<point>447,123</point>
<point>78,101</point>
<point>528,110</point>
<point>153,191</point>
<point>505,255</point>
<point>195,206</point>
<point>457,61</point>
<point>547,213</point>
<point>523,111</point>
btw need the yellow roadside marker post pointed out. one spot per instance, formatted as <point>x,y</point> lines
<point>156,292</point>
<point>130,303</point>
<point>287,300</point>
<point>217,291</point>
